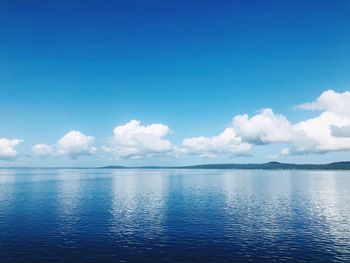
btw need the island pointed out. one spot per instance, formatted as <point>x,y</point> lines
<point>248,166</point>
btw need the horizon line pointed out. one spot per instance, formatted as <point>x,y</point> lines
<point>191,166</point>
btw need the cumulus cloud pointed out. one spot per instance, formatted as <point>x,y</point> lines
<point>315,135</point>
<point>43,150</point>
<point>330,131</point>
<point>337,103</point>
<point>263,128</point>
<point>226,142</point>
<point>327,132</point>
<point>73,144</point>
<point>136,141</point>
<point>8,150</point>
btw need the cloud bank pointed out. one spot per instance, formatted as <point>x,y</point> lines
<point>328,131</point>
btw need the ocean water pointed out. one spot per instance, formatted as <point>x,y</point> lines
<point>101,215</point>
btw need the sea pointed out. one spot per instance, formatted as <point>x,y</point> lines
<point>174,215</point>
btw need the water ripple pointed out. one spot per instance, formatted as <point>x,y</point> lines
<point>174,215</point>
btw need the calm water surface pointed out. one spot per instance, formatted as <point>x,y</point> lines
<point>174,215</point>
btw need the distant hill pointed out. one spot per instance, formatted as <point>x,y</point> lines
<point>261,166</point>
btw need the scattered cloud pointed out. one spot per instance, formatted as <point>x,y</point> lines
<point>135,141</point>
<point>8,150</point>
<point>226,142</point>
<point>328,131</point>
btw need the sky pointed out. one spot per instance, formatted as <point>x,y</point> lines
<point>93,83</point>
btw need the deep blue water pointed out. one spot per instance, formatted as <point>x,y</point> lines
<point>91,215</point>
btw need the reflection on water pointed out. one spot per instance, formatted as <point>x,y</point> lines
<point>138,204</point>
<point>68,190</point>
<point>331,211</point>
<point>174,215</point>
<point>7,180</point>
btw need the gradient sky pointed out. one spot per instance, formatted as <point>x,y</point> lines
<point>191,65</point>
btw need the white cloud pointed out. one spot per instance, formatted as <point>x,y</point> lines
<point>135,141</point>
<point>316,135</point>
<point>8,150</point>
<point>330,131</point>
<point>226,142</point>
<point>73,144</point>
<point>263,128</point>
<point>337,103</point>
<point>43,150</point>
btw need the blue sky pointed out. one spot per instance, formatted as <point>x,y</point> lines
<point>189,65</point>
